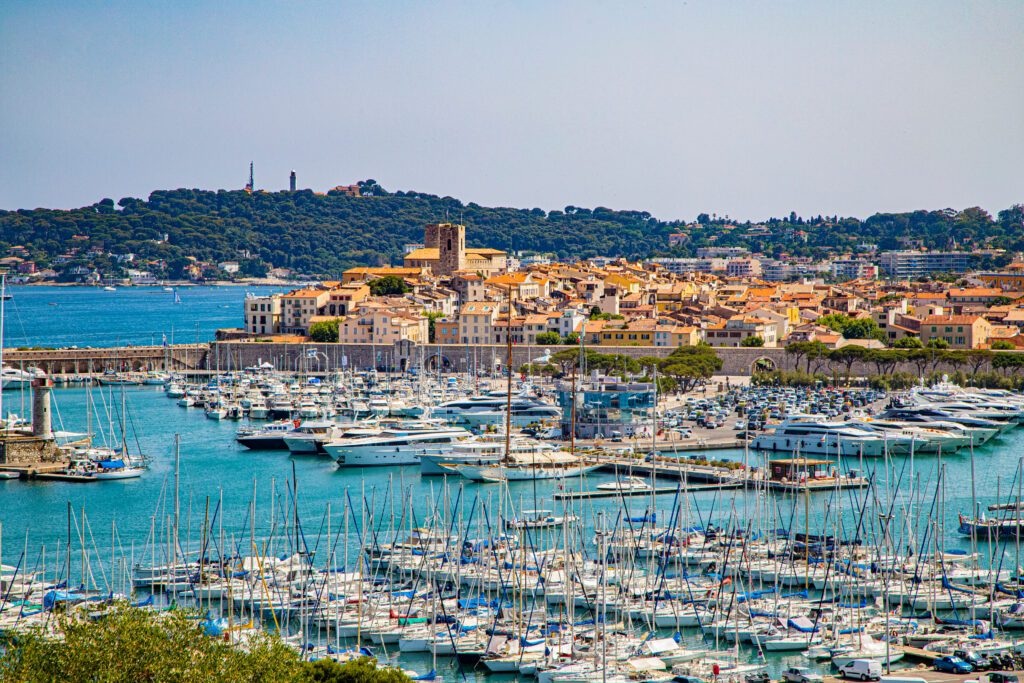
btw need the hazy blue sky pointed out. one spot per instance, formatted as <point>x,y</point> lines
<point>742,108</point>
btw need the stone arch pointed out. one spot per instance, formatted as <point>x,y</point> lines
<point>435,361</point>
<point>763,364</point>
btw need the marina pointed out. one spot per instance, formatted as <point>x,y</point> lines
<point>602,520</point>
<point>457,525</point>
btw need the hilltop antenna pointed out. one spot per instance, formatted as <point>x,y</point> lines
<point>251,186</point>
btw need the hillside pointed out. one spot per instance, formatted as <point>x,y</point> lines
<point>324,234</point>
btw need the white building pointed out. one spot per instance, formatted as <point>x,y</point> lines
<point>263,314</point>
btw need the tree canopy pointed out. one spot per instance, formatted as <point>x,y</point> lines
<point>127,645</point>
<point>324,331</point>
<point>389,285</point>
<point>324,234</point>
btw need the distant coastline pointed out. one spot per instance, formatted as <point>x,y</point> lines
<point>264,282</point>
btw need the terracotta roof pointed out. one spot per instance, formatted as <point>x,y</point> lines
<point>950,319</point>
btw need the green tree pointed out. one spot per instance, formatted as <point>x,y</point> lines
<point>836,322</point>
<point>362,670</point>
<point>977,358</point>
<point>571,339</point>
<point>1003,345</point>
<point>848,355</point>
<point>389,285</point>
<point>128,645</point>
<point>938,344</point>
<point>1008,362</point>
<point>752,341</point>
<point>432,318</point>
<point>324,331</point>
<point>863,328</point>
<point>548,338</point>
<point>690,365</point>
<point>908,343</point>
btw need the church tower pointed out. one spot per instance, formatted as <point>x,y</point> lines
<point>450,241</point>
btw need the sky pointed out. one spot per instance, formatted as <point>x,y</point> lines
<point>745,109</point>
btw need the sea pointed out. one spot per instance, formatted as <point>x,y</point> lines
<point>218,480</point>
<point>91,316</point>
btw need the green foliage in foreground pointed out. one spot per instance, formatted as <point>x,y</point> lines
<point>132,645</point>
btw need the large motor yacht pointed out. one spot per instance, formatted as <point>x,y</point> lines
<point>810,435</point>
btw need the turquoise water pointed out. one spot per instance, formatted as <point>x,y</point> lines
<point>218,477</point>
<point>215,470</point>
<point>214,466</point>
<point>90,316</point>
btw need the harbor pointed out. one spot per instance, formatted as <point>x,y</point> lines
<point>601,512</point>
<point>479,524</point>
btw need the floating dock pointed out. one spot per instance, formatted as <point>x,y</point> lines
<point>664,490</point>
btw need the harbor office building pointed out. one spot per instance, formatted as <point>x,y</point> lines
<point>607,408</point>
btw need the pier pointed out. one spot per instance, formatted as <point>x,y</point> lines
<point>721,477</point>
<point>665,490</point>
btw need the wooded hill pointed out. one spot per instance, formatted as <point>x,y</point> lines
<point>327,233</point>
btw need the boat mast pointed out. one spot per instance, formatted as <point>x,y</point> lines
<point>177,502</point>
<point>508,368</point>
<point>3,297</point>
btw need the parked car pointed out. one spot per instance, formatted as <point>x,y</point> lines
<point>801,674</point>
<point>977,662</point>
<point>952,665</point>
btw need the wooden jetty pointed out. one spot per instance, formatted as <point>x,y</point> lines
<point>669,468</point>
<point>660,491</point>
<point>35,470</point>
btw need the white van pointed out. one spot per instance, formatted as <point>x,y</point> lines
<point>862,669</point>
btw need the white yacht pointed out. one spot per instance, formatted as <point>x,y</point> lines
<point>810,435</point>
<point>484,450</point>
<point>270,437</point>
<point>556,464</point>
<point>491,409</point>
<point>393,445</point>
<point>311,437</point>
<point>943,413</point>
<point>625,484</point>
<point>923,439</point>
<point>538,519</point>
<point>13,378</point>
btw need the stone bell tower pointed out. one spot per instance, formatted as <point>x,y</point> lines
<point>450,241</point>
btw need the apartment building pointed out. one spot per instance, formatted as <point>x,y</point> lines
<point>381,324</point>
<point>262,314</point>
<point>476,322</point>
<point>299,306</point>
<point>736,329</point>
<point>853,269</point>
<point>959,331</point>
<point>904,265</point>
<point>345,298</point>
